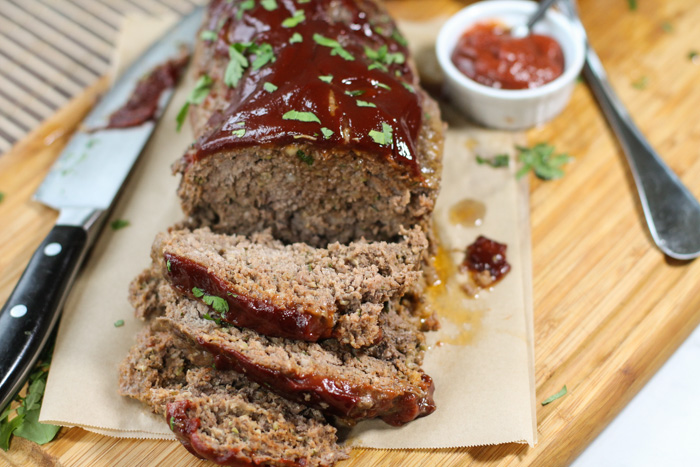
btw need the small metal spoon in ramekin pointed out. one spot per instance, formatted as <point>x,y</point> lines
<point>524,29</point>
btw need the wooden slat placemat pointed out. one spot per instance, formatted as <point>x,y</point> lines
<point>51,50</point>
<point>609,308</point>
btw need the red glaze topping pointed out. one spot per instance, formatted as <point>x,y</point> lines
<point>342,61</point>
<point>487,255</point>
<point>143,102</point>
<point>259,315</point>
<point>488,54</point>
<point>333,396</point>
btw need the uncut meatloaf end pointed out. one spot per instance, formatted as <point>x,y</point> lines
<point>293,291</point>
<point>253,167</point>
<point>220,415</point>
<point>384,380</point>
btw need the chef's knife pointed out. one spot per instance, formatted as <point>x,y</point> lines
<point>82,185</point>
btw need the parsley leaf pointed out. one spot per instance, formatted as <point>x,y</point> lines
<point>692,55</point>
<point>263,55</point>
<point>641,83</point>
<point>172,423</point>
<point>218,303</point>
<point>336,48</point>
<point>2,196</point>
<point>246,5</point>
<point>301,116</point>
<point>384,137</point>
<point>327,132</point>
<point>269,5</point>
<point>398,37</point>
<point>208,35</point>
<point>542,161</point>
<point>500,160</point>
<point>119,323</point>
<point>305,158</point>
<point>556,396</point>
<point>364,104</point>
<point>296,37</point>
<point>117,224</point>
<point>409,87</point>
<point>326,78</point>
<point>197,292</point>
<point>239,132</point>
<point>197,96</point>
<point>357,92</point>
<point>237,63</point>
<point>294,20</point>
<point>632,4</point>
<point>269,87</point>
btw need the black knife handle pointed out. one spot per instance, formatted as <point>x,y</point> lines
<point>31,312</point>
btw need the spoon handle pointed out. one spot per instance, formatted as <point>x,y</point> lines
<point>539,13</point>
<point>671,211</point>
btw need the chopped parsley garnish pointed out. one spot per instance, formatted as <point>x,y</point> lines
<point>305,158</point>
<point>172,423</point>
<point>641,83</point>
<point>239,132</point>
<point>382,85</point>
<point>263,55</point>
<point>269,5</point>
<point>364,104</point>
<point>375,65</point>
<point>197,96</point>
<point>632,4</point>
<point>500,160</point>
<point>692,55</point>
<point>208,35</point>
<point>384,137</point>
<point>168,265</point>
<point>303,1</point>
<point>237,63</point>
<point>197,292</point>
<point>398,37</point>
<point>357,92</point>
<point>2,196</point>
<point>327,133</point>
<point>409,87</point>
<point>119,323</point>
<point>383,56</point>
<point>294,20</point>
<point>336,48</point>
<point>326,78</point>
<point>541,160</point>
<point>301,116</point>
<point>296,37</point>
<point>218,303</point>
<point>556,396</point>
<point>269,87</point>
<point>26,424</point>
<point>117,224</point>
<point>245,5</point>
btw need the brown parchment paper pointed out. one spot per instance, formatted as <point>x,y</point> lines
<point>482,360</point>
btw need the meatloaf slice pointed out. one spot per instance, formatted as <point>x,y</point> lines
<point>294,291</point>
<point>324,133</point>
<point>383,380</point>
<point>220,415</point>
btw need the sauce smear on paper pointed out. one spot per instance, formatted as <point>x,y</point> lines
<point>467,213</point>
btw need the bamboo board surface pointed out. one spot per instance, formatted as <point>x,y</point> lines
<point>609,308</point>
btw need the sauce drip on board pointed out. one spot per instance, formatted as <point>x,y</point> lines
<point>489,55</point>
<point>143,102</point>
<point>468,213</point>
<point>447,297</point>
<point>349,77</point>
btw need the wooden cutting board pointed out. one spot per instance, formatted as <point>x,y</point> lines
<point>609,307</point>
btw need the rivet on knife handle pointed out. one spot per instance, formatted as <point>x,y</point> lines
<point>31,312</point>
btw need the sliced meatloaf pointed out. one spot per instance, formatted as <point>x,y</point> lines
<point>383,380</point>
<point>314,124</point>
<point>294,291</point>
<point>220,415</point>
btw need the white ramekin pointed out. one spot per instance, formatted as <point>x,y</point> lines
<point>509,109</point>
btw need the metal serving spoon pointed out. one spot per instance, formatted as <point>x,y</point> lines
<point>524,29</point>
<point>671,211</point>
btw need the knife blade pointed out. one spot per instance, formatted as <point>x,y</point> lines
<point>82,185</point>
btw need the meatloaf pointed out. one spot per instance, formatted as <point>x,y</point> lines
<point>294,291</point>
<point>383,380</point>
<point>220,415</point>
<point>314,124</point>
